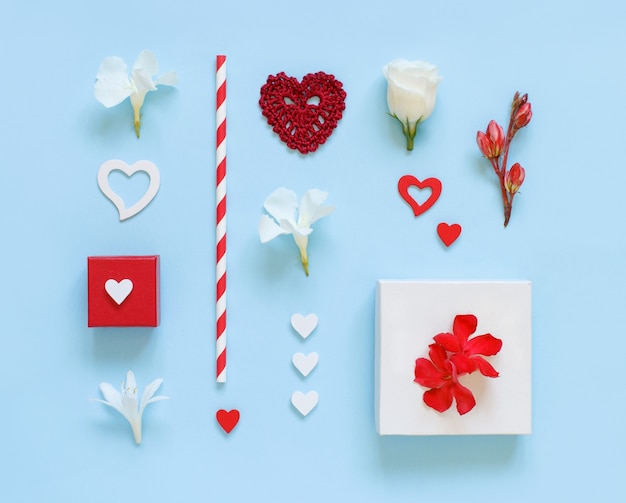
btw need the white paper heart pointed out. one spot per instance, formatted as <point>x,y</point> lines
<point>118,291</point>
<point>305,363</point>
<point>304,325</point>
<point>304,403</point>
<point>115,164</point>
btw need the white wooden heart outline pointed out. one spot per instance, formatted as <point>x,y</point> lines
<point>115,164</point>
<point>304,403</point>
<point>305,363</point>
<point>118,291</point>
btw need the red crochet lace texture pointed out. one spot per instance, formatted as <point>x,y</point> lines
<point>303,114</point>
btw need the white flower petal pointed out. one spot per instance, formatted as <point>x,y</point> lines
<point>130,380</point>
<point>136,100</point>
<point>269,229</point>
<point>291,228</point>
<point>131,409</point>
<point>302,242</point>
<point>146,61</point>
<point>119,409</point>
<point>406,105</point>
<point>311,208</point>
<point>167,79</point>
<point>148,393</point>
<point>114,69</point>
<point>282,204</point>
<point>111,395</point>
<point>110,95</point>
<point>142,81</point>
<point>412,89</point>
<point>112,84</point>
<point>156,399</point>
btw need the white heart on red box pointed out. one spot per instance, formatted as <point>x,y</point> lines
<point>118,291</point>
<point>140,166</point>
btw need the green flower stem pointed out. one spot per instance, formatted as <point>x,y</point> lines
<point>409,138</point>
<point>409,131</point>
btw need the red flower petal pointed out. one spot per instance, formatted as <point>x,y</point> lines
<point>485,367</point>
<point>439,357</point>
<point>449,342</point>
<point>486,345</point>
<point>464,399</point>
<point>464,364</point>
<point>439,399</point>
<point>464,325</point>
<point>427,375</point>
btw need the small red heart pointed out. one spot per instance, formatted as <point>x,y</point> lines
<point>227,419</point>
<point>303,114</point>
<point>410,181</point>
<point>448,233</point>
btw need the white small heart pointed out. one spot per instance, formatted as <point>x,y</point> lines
<point>119,291</point>
<point>145,166</point>
<point>304,403</point>
<point>304,325</point>
<point>305,364</point>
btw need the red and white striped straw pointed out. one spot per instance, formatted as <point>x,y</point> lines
<point>220,219</point>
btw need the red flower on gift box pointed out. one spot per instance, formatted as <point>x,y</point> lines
<point>441,376</point>
<point>451,356</point>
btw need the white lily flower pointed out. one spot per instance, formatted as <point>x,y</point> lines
<point>113,84</point>
<point>126,401</point>
<point>289,218</point>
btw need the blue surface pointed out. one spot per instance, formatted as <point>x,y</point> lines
<point>566,236</point>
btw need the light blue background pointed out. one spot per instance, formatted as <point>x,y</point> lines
<point>566,236</point>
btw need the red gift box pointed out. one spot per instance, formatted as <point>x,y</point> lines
<point>123,291</point>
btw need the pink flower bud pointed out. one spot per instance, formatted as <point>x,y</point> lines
<point>484,144</point>
<point>496,134</point>
<point>491,143</point>
<point>514,178</point>
<point>522,116</point>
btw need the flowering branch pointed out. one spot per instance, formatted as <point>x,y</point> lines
<point>494,145</point>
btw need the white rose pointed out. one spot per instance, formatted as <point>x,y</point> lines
<point>411,93</point>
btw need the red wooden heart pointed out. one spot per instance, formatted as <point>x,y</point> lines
<point>448,233</point>
<point>410,181</point>
<point>303,114</point>
<point>227,419</point>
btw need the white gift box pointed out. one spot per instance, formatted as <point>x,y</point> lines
<point>410,313</point>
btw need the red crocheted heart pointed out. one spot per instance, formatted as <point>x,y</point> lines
<point>305,113</point>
